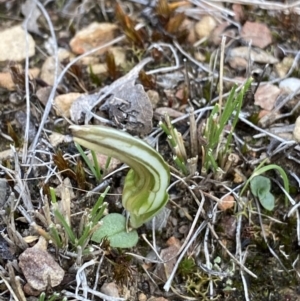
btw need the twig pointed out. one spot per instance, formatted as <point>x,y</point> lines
<point>261,130</point>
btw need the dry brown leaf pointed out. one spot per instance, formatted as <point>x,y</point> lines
<point>130,108</point>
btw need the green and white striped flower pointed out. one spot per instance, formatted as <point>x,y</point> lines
<point>144,193</point>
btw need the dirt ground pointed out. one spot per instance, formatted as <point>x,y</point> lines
<point>213,87</point>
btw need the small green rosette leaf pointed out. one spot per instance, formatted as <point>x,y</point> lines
<point>114,229</point>
<point>260,187</point>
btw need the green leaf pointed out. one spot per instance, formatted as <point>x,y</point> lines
<point>114,229</point>
<point>262,169</point>
<point>267,201</point>
<point>260,187</point>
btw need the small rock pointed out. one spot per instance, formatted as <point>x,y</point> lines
<point>102,160</point>
<point>168,255</point>
<point>199,56</point>
<point>173,241</point>
<point>28,290</point>
<point>43,94</point>
<point>188,25</point>
<point>21,120</point>
<point>183,229</point>
<point>48,68</point>
<point>219,31</point>
<point>89,60</point>
<point>120,60</point>
<point>56,138</point>
<point>95,35</point>
<point>16,99</point>
<point>158,299</point>
<point>181,94</point>
<point>98,69</point>
<point>296,132</point>
<point>238,57</point>
<point>160,219</point>
<point>258,33</point>
<point>62,103</point>
<point>238,12</point>
<point>291,84</point>
<point>142,297</point>
<point>6,81</point>
<point>205,26</point>
<point>161,111</point>
<point>39,267</point>
<point>283,67</point>
<point>32,12</point>
<point>266,96</point>
<point>154,97</point>
<point>110,289</point>
<point>267,119</point>
<point>183,212</point>
<point>119,55</point>
<point>238,63</point>
<point>13,44</point>
<point>228,224</point>
<point>226,203</point>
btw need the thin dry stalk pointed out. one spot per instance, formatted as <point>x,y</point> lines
<point>223,42</point>
<point>193,133</point>
<point>8,286</point>
<point>15,283</point>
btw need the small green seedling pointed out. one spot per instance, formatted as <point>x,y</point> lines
<point>176,143</point>
<point>91,223</point>
<point>54,297</point>
<point>93,166</point>
<point>260,187</point>
<point>216,149</point>
<point>260,170</point>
